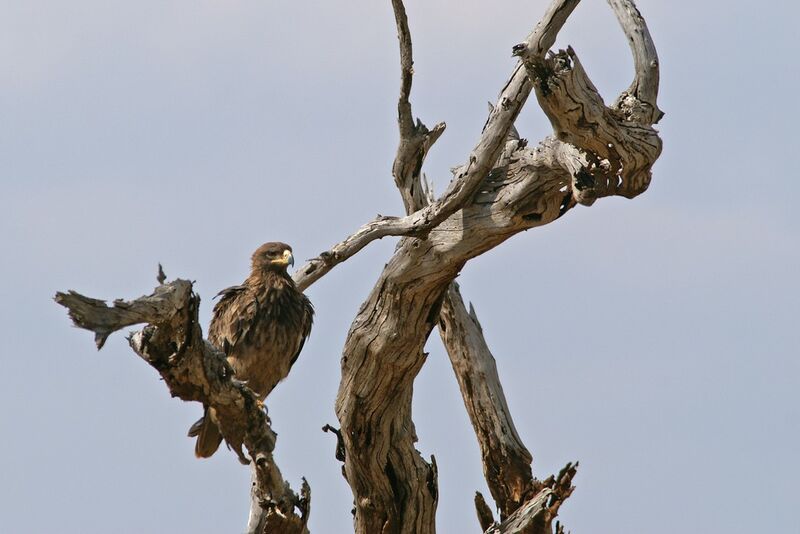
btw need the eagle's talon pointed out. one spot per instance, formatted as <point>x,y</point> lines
<point>263,408</point>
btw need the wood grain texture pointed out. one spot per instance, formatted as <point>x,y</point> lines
<point>467,178</point>
<point>524,188</point>
<point>193,370</point>
<point>503,188</point>
<point>506,460</point>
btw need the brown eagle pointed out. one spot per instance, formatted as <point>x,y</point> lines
<point>261,327</point>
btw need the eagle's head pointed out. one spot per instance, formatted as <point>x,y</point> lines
<point>272,257</point>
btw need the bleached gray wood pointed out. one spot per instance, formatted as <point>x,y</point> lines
<point>506,460</point>
<point>505,187</point>
<point>193,370</point>
<point>468,177</point>
<point>394,487</point>
<point>392,484</point>
<point>507,467</point>
<point>619,143</point>
<point>639,101</point>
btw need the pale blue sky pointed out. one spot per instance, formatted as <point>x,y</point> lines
<point>654,340</point>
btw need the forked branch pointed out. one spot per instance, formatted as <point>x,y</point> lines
<point>193,370</point>
<point>619,142</point>
<point>394,488</point>
<point>503,188</point>
<point>522,189</point>
<point>468,177</point>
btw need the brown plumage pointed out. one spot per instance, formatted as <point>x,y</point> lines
<point>261,327</point>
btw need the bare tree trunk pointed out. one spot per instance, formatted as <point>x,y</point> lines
<point>504,187</point>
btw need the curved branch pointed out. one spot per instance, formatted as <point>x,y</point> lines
<point>504,188</point>
<point>420,222</point>
<point>394,488</point>
<point>468,177</point>
<point>620,151</point>
<point>644,87</point>
<point>620,143</point>
<point>506,461</point>
<point>543,36</point>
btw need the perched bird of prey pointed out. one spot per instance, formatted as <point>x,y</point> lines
<point>261,327</point>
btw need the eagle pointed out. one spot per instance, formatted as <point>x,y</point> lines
<point>260,326</point>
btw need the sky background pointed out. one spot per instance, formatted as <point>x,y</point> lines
<point>654,340</point>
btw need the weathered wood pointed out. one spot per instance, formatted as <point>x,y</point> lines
<point>504,187</point>
<point>383,352</point>
<point>508,471</point>
<point>506,460</point>
<point>638,103</point>
<point>193,370</point>
<point>537,514</point>
<point>508,467</point>
<point>485,515</point>
<point>619,142</point>
<point>415,138</point>
<point>467,178</point>
<point>621,152</point>
<point>394,487</point>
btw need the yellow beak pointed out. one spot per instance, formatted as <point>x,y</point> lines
<point>286,259</point>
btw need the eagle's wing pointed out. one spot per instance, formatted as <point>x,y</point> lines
<point>234,314</point>
<point>306,320</point>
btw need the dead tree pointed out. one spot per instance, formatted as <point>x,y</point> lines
<point>504,187</point>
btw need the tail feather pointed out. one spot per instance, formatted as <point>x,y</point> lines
<point>194,430</point>
<point>208,436</point>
